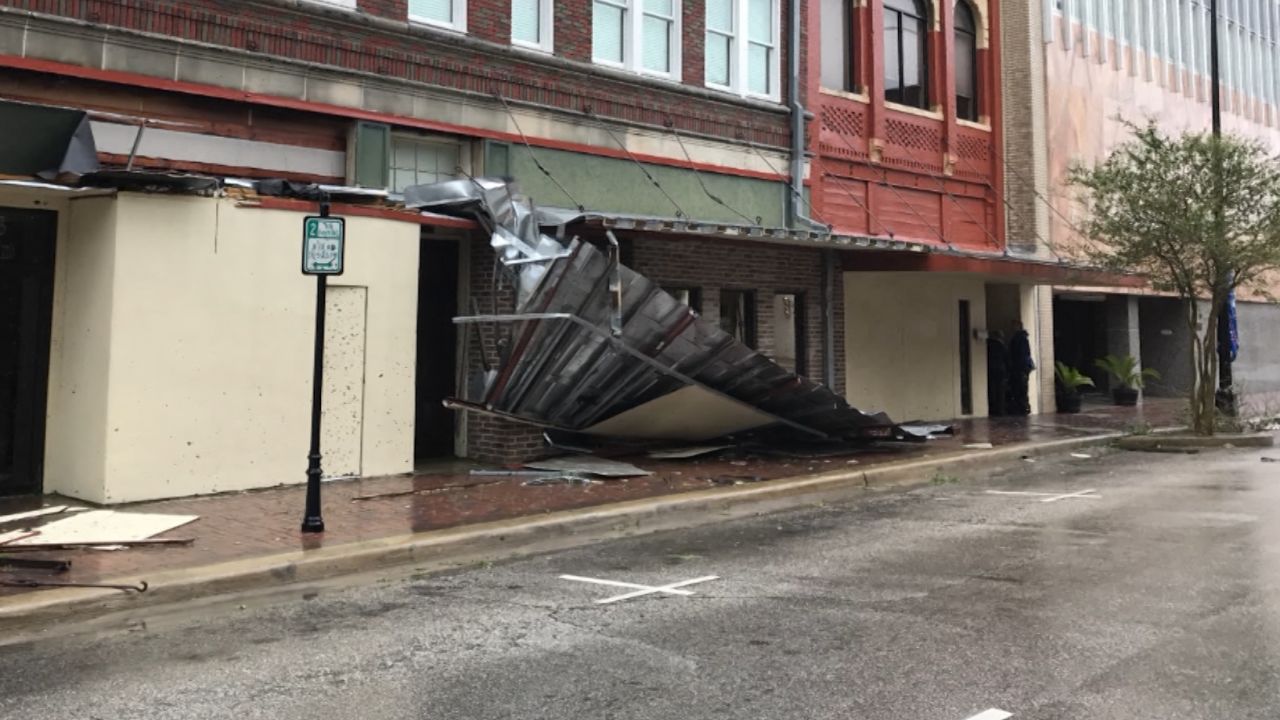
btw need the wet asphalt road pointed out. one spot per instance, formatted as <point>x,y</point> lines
<point>1159,600</point>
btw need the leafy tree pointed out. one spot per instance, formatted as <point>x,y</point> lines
<point>1198,216</point>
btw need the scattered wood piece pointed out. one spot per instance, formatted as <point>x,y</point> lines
<point>424,491</point>
<point>41,512</point>
<point>104,528</point>
<point>100,544</point>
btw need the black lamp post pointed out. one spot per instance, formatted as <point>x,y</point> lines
<point>312,521</point>
<point>1226,395</point>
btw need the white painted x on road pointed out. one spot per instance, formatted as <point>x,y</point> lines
<point>1090,494</point>
<point>992,714</point>
<point>640,590</point>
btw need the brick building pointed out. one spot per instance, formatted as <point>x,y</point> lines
<point>750,154</point>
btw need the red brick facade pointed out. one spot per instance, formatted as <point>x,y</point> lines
<point>923,176</point>
<point>381,42</point>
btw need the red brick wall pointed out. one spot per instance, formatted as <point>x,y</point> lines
<point>348,41</point>
<point>390,9</point>
<point>492,439</point>
<point>767,269</point>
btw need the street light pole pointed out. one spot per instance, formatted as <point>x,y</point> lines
<point>312,521</point>
<point>1226,396</point>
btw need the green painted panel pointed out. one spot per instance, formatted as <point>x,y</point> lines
<point>373,154</point>
<point>617,185</point>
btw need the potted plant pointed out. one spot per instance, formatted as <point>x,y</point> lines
<point>1129,379</point>
<point>1070,380</point>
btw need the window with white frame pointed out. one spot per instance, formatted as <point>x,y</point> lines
<point>742,47</point>
<point>450,14</point>
<point>348,4</point>
<point>639,35</point>
<point>421,161</point>
<point>532,22</point>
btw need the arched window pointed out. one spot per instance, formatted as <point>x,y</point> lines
<point>966,62</point>
<point>906,52</point>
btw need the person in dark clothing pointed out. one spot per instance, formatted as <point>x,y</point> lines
<point>1021,365</point>
<point>997,374</point>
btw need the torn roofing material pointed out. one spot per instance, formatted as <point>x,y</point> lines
<point>597,348</point>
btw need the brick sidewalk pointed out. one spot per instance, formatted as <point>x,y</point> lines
<point>265,522</point>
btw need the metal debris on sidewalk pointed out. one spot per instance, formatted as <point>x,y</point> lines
<point>927,431</point>
<point>141,587</point>
<point>685,453</point>
<point>596,348</point>
<point>589,465</point>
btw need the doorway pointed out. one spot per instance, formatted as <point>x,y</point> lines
<point>789,348</point>
<point>27,241</point>
<point>1080,335</point>
<point>436,379</point>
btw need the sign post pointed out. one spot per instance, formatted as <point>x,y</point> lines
<point>323,244</point>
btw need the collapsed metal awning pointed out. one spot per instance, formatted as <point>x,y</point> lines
<point>45,141</point>
<point>684,227</point>
<point>597,348</point>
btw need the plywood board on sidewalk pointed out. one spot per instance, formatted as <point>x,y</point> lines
<point>105,526</point>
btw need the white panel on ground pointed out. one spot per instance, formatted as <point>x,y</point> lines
<point>105,526</point>
<point>690,414</point>
<point>342,428</point>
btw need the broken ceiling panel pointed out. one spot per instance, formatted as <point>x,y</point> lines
<point>597,348</point>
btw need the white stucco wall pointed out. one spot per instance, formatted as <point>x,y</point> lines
<point>207,325</point>
<point>902,343</point>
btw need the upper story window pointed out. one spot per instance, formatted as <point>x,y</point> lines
<point>966,65</point>
<point>419,161</point>
<point>839,46</point>
<point>742,47</point>
<point>906,52</point>
<point>349,4</point>
<point>450,14</point>
<point>531,23</point>
<point>638,35</point>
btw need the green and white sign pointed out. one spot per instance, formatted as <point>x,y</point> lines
<point>322,245</point>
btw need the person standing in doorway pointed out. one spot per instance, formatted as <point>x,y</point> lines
<point>1021,365</point>
<point>997,374</point>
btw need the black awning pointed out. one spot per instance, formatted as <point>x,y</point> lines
<point>45,141</point>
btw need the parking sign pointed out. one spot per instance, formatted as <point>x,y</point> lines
<point>322,245</point>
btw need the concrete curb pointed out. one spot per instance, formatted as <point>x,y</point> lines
<point>1198,442</point>
<point>443,549</point>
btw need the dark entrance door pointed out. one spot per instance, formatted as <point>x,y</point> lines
<point>437,347</point>
<point>1080,336</point>
<point>26,308</point>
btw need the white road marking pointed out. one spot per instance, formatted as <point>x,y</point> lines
<point>1050,497</point>
<point>640,590</point>
<point>1089,494</point>
<point>992,714</point>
